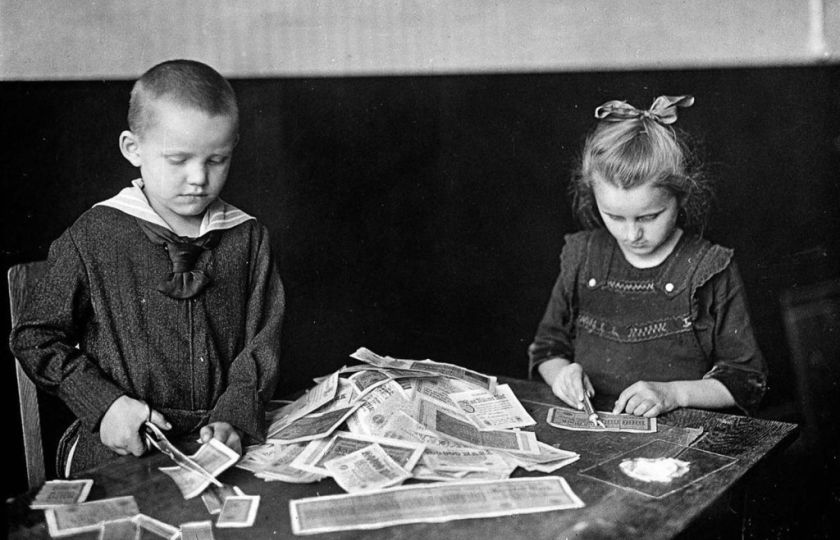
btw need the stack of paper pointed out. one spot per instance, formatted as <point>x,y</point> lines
<point>374,425</point>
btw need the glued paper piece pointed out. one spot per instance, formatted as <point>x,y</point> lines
<point>702,464</point>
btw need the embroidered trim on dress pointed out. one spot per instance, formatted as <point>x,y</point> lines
<point>631,286</point>
<point>637,332</point>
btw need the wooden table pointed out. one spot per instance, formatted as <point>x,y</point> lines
<point>610,512</point>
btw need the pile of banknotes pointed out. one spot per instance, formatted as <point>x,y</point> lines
<point>376,424</point>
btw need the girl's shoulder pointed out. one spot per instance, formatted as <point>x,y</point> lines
<point>586,246</point>
<point>694,262</point>
<point>583,242</point>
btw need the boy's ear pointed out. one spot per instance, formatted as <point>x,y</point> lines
<point>130,147</point>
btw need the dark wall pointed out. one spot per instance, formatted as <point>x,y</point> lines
<point>423,216</point>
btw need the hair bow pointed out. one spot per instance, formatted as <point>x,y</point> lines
<point>663,110</point>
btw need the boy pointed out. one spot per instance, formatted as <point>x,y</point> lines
<point>171,294</point>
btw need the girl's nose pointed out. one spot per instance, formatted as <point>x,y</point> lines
<point>634,232</point>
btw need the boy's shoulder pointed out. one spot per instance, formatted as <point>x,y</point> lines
<point>99,220</point>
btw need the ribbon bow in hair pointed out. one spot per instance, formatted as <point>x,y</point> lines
<point>663,110</point>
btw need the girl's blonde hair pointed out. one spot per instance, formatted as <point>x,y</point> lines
<point>635,149</point>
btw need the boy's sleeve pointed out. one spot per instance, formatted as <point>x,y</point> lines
<point>253,374</point>
<point>555,333</point>
<point>50,326</point>
<point>739,364</point>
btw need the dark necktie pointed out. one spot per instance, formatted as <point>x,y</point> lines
<point>184,281</point>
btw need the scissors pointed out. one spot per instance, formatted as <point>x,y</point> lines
<point>156,438</point>
<point>593,416</point>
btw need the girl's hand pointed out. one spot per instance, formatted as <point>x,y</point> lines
<point>648,399</point>
<point>119,429</point>
<point>570,383</point>
<point>223,432</point>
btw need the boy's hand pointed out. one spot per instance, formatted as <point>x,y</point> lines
<point>119,429</point>
<point>223,432</point>
<point>648,399</point>
<point>570,383</point>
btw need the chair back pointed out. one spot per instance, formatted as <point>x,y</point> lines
<point>22,279</point>
<point>812,324</point>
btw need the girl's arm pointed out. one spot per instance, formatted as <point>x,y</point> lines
<point>738,376</point>
<point>567,380</point>
<point>555,333</point>
<point>646,398</point>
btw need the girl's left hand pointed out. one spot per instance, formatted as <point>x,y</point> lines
<point>223,432</point>
<point>648,399</point>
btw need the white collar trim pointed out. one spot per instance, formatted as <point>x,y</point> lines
<point>131,200</point>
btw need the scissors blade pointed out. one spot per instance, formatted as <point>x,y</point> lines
<point>593,416</point>
<point>156,437</point>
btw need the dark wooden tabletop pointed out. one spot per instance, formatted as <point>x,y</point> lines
<point>610,512</point>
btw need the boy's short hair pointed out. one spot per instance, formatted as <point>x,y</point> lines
<point>185,82</point>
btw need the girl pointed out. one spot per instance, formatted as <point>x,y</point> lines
<point>645,310</point>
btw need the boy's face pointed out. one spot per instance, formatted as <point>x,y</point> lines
<point>184,156</point>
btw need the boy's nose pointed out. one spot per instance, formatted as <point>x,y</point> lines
<point>198,175</point>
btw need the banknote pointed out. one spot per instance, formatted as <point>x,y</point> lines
<point>88,516</point>
<point>197,530</point>
<point>571,419</point>
<point>156,527</point>
<point>274,462</point>
<point>429,366</point>
<point>405,453</point>
<point>120,529</point>
<point>214,497</point>
<point>443,422</point>
<point>431,503</point>
<point>239,511</point>
<point>61,492</point>
<point>316,397</point>
<point>211,459</point>
<point>498,410</point>
<point>366,469</point>
<point>313,426</point>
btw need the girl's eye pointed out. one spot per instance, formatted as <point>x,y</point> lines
<point>175,160</point>
<point>649,218</point>
<point>218,161</point>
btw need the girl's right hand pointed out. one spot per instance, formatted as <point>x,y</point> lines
<point>570,383</point>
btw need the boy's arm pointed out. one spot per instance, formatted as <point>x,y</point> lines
<point>50,327</point>
<point>252,376</point>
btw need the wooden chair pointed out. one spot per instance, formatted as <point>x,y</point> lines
<point>22,278</point>
<point>812,323</point>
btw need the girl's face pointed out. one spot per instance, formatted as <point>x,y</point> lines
<point>643,220</point>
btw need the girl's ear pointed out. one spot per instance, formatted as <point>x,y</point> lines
<point>130,148</point>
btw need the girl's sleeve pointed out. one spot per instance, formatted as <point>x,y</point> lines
<point>51,325</point>
<point>555,333</point>
<point>253,375</point>
<point>738,362</point>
